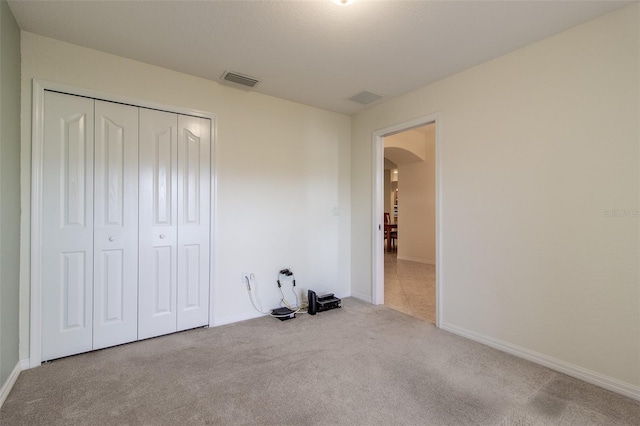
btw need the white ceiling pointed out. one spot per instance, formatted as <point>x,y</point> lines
<point>313,52</point>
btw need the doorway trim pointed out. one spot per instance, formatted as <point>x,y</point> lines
<point>37,162</point>
<point>377,236</point>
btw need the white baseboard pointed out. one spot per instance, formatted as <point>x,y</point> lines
<point>25,364</point>
<point>360,296</point>
<point>606,382</point>
<point>8,385</point>
<point>416,259</point>
<point>236,318</point>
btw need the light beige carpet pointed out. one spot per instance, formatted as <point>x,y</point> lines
<point>359,365</point>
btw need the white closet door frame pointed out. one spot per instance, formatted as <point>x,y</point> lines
<point>37,144</point>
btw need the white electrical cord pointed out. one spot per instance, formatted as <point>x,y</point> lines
<point>252,278</point>
<point>248,279</point>
<point>284,302</point>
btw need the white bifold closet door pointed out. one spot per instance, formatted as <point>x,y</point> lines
<point>126,224</point>
<point>67,224</point>
<point>115,240</point>
<point>90,225</point>
<point>174,222</point>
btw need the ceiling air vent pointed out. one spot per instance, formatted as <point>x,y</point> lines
<point>239,80</point>
<point>365,98</point>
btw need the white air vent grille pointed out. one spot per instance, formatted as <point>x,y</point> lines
<point>365,98</point>
<point>240,79</point>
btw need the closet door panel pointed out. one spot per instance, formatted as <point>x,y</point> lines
<point>194,199</point>
<point>67,236</point>
<point>157,223</point>
<point>115,225</point>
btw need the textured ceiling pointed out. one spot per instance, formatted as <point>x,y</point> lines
<point>313,52</point>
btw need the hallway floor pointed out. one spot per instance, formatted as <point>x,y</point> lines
<point>410,287</point>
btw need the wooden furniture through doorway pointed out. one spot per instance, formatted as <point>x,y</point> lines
<point>390,231</point>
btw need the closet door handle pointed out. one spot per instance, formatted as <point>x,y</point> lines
<point>111,238</point>
<point>161,236</point>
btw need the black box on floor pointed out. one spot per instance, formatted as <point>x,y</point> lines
<point>283,313</point>
<point>327,301</point>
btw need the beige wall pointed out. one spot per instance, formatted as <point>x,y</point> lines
<point>9,190</point>
<point>537,147</point>
<point>282,169</point>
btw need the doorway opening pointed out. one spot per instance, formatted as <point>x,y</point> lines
<point>406,249</point>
